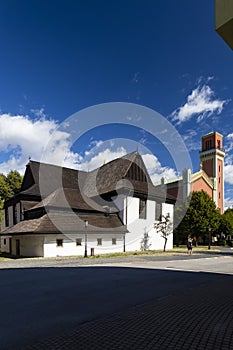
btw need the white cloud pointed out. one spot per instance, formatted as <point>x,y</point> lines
<point>228,171</point>
<point>92,146</point>
<point>135,77</point>
<point>21,137</point>
<point>99,159</point>
<point>200,102</point>
<point>39,113</point>
<point>228,203</point>
<point>156,170</point>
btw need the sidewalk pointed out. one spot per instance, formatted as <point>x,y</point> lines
<point>199,318</point>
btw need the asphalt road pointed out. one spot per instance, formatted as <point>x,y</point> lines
<point>41,301</point>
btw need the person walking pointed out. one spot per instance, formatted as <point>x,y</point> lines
<point>189,246</point>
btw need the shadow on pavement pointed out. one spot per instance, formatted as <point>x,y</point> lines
<point>54,308</point>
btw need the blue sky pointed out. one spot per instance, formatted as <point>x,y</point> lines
<point>59,57</point>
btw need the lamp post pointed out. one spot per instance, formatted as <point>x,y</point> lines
<point>209,237</point>
<point>86,225</point>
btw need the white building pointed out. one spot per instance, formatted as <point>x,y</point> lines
<point>66,212</point>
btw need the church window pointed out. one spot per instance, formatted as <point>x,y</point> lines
<point>78,241</point>
<point>142,208</point>
<point>158,211</point>
<point>99,241</point>
<point>59,242</point>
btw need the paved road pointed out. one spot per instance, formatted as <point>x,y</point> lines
<point>50,298</point>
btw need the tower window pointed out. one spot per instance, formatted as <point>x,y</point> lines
<point>219,195</point>
<point>219,168</point>
<point>219,180</point>
<point>208,144</point>
<point>219,144</point>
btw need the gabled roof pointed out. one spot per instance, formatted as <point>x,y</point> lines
<point>126,173</point>
<point>51,177</point>
<point>202,174</point>
<point>194,177</point>
<point>108,177</point>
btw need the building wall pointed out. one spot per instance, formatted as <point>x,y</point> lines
<point>28,246</point>
<point>5,244</point>
<point>201,184</point>
<point>137,227</point>
<point>18,214</point>
<point>208,167</point>
<point>10,215</point>
<point>3,221</point>
<point>70,248</point>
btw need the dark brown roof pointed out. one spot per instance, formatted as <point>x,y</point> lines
<point>71,198</point>
<point>68,223</point>
<point>48,177</point>
<point>125,173</point>
<point>108,178</point>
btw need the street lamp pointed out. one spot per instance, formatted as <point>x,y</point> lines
<point>86,225</point>
<point>209,237</point>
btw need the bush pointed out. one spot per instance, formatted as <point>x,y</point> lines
<point>222,243</point>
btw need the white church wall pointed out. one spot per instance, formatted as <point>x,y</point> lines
<point>137,227</point>
<point>102,243</point>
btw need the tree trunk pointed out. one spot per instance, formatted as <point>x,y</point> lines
<point>165,243</point>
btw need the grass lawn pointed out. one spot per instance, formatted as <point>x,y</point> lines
<point>182,250</point>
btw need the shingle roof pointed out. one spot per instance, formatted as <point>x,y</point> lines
<point>68,223</point>
<point>108,177</point>
<point>48,177</point>
<point>72,198</point>
<point>82,192</point>
<point>102,180</point>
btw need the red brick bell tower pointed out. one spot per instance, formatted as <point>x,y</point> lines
<point>212,159</point>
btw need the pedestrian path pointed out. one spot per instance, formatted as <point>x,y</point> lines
<point>196,319</point>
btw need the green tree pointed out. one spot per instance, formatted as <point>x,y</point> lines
<point>9,186</point>
<point>1,207</point>
<point>225,226</point>
<point>229,216</point>
<point>5,190</point>
<point>180,233</point>
<point>201,215</point>
<point>165,228</point>
<point>14,180</point>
